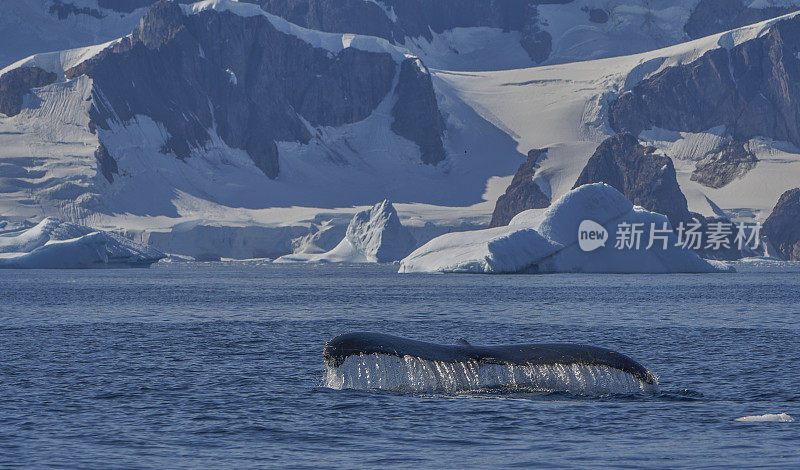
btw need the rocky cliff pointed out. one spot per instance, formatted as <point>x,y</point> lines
<point>721,167</point>
<point>397,19</point>
<point>782,227</point>
<point>753,89</point>
<point>251,83</point>
<point>416,113</point>
<point>127,6</point>
<point>17,83</point>
<point>715,16</point>
<point>649,180</point>
<point>522,194</point>
<point>645,178</point>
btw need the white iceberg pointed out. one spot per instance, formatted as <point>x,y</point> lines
<point>766,418</point>
<point>546,241</point>
<point>54,244</point>
<point>321,238</point>
<point>374,235</point>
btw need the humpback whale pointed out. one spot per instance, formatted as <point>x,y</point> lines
<point>376,360</point>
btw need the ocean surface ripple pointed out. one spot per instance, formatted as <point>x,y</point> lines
<point>220,365</point>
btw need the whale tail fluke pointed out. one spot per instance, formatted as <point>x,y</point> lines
<point>379,361</point>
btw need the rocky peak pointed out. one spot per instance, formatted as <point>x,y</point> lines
<point>644,177</point>
<point>782,227</point>
<point>522,194</point>
<point>160,24</point>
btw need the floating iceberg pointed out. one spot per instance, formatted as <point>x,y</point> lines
<point>767,418</point>
<point>54,244</point>
<point>547,241</point>
<point>374,235</point>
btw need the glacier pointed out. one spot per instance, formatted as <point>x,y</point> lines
<point>546,241</point>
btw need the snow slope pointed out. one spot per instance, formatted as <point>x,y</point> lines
<point>548,242</point>
<point>28,27</point>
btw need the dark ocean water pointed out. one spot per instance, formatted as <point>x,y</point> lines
<point>214,365</point>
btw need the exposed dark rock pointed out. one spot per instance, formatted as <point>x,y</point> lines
<point>645,178</point>
<point>160,24</point>
<point>416,114</point>
<point>107,164</point>
<point>597,15</point>
<point>685,97</point>
<point>719,168</point>
<point>17,83</point>
<point>537,43</point>
<point>127,6</point>
<point>782,227</point>
<point>715,16</point>
<point>753,90</point>
<point>409,18</point>
<point>64,9</point>
<point>522,194</point>
<point>418,18</point>
<point>257,85</point>
<point>415,18</point>
<point>337,16</point>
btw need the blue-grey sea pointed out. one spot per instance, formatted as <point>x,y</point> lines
<point>215,365</point>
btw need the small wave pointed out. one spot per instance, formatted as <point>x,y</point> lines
<point>680,395</point>
<point>767,418</point>
<point>412,374</point>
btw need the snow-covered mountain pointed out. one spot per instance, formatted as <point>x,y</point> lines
<point>484,35</point>
<point>698,108</point>
<point>448,34</point>
<point>216,129</point>
<point>202,114</point>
